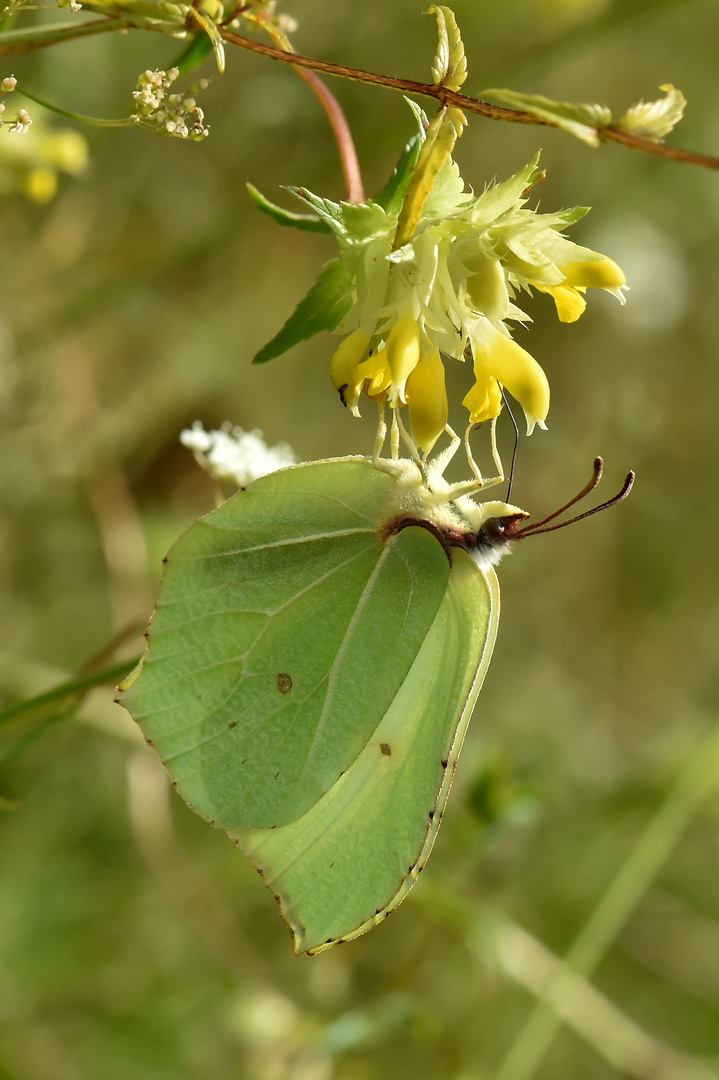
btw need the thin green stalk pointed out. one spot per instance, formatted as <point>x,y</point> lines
<point>694,783</point>
<point>38,37</point>
<point>127,121</point>
<point>111,674</point>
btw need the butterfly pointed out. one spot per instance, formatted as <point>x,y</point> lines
<point>312,664</point>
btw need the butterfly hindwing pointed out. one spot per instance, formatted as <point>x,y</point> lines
<point>353,857</point>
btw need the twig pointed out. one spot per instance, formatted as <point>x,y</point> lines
<point>469,104</point>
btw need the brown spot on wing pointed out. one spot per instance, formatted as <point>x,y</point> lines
<point>284,682</point>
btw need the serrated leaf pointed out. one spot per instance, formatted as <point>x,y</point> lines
<point>583,121</point>
<point>195,54</point>
<point>330,212</point>
<point>654,119</point>
<point>449,67</point>
<point>351,222</point>
<point>307,222</point>
<point>324,306</point>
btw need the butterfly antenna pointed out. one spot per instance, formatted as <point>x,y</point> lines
<point>597,471</point>
<point>541,527</point>
<point>516,444</point>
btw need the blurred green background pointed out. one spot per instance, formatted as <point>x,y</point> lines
<point>134,940</point>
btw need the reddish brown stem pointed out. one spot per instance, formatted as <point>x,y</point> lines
<point>451,97</point>
<point>343,136</point>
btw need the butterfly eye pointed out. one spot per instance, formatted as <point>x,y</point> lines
<point>500,529</point>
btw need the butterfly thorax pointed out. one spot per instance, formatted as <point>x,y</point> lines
<point>484,530</point>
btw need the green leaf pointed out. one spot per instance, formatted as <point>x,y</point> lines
<point>324,307</point>
<point>307,222</point>
<point>391,197</point>
<point>350,222</point>
<point>583,121</point>
<point>654,119</point>
<point>449,67</point>
<point>195,54</point>
<point>309,676</point>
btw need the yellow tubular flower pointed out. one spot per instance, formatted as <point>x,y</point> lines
<point>484,400</point>
<point>578,277</point>
<point>427,399</point>
<point>344,369</point>
<point>595,274</point>
<point>402,356</point>
<point>570,303</point>
<point>487,287</point>
<point>512,366</point>
<point>375,374</point>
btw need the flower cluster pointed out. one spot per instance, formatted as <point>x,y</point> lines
<point>232,455</point>
<point>21,123</point>
<point>450,290</point>
<point>169,114</point>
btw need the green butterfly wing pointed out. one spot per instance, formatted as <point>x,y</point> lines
<point>307,683</point>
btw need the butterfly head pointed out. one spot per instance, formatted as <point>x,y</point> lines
<point>495,526</point>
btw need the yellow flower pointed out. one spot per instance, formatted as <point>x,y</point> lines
<point>578,277</point>
<point>344,369</point>
<point>487,286</point>
<point>484,400</point>
<point>427,399</point>
<point>411,299</point>
<point>376,375</point>
<point>500,360</point>
<point>402,356</point>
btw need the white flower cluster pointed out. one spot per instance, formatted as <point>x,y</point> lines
<point>169,114</point>
<point>21,123</point>
<point>232,455</point>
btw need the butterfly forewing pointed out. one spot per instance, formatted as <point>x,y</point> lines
<point>279,642</point>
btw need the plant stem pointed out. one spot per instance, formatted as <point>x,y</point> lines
<point>451,97</point>
<point>67,689</point>
<point>694,783</point>
<point>38,37</point>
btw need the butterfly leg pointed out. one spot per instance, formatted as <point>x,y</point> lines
<point>409,442</point>
<point>394,436</point>
<point>381,433</point>
<point>480,483</point>
<point>442,460</point>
